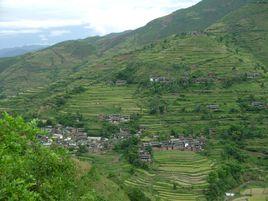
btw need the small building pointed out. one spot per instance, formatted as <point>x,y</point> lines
<point>145,156</point>
<point>253,75</point>
<point>115,118</point>
<point>120,82</point>
<point>94,139</point>
<point>258,105</point>
<point>201,80</point>
<point>230,194</point>
<point>159,79</point>
<point>80,136</point>
<point>213,107</point>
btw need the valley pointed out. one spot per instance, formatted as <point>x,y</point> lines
<point>198,77</point>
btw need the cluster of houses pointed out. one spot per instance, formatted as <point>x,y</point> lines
<point>74,138</point>
<point>181,143</point>
<point>115,118</point>
<point>210,78</point>
<point>124,133</point>
<point>71,138</point>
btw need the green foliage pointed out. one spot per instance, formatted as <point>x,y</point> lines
<point>223,179</point>
<point>231,151</point>
<point>82,149</point>
<point>70,119</point>
<point>130,149</point>
<point>239,133</point>
<point>128,73</point>
<point>157,105</point>
<point>78,90</point>
<point>136,194</point>
<point>30,171</point>
<point>108,130</point>
<point>228,82</point>
<point>205,63</point>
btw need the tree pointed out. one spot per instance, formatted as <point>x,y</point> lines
<point>223,179</point>
<point>174,186</point>
<point>31,172</point>
<point>136,194</point>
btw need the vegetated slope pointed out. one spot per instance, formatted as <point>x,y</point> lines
<point>247,28</point>
<point>178,58</point>
<point>202,69</point>
<point>196,18</point>
<point>178,176</point>
<point>43,67</point>
<point>49,65</point>
<point>30,171</point>
<point>204,61</point>
<point>175,176</point>
<point>17,51</point>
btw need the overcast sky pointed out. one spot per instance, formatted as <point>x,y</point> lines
<point>50,21</point>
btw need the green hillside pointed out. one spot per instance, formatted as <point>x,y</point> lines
<point>212,55</point>
<point>30,171</point>
<point>49,65</point>
<point>246,31</point>
<point>196,18</point>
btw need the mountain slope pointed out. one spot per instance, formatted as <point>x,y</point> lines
<point>247,28</point>
<point>196,18</point>
<point>222,67</point>
<point>55,63</point>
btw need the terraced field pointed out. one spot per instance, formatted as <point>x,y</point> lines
<point>21,101</point>
<point>177,176</point>
<point>253,194</point>
<point>104,100</point>
<point>182,112</point>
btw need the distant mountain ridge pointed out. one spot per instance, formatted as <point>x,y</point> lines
<point>17,51</point>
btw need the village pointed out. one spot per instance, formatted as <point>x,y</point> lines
<point>73,138</point>
<point>209,78</point>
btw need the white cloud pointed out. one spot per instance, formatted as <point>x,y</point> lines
<point>38,24</point>
<point>16,32</point>
<point>58,32</point>
<point>104,16</point>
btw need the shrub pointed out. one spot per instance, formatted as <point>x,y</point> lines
<point>136,194</point>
